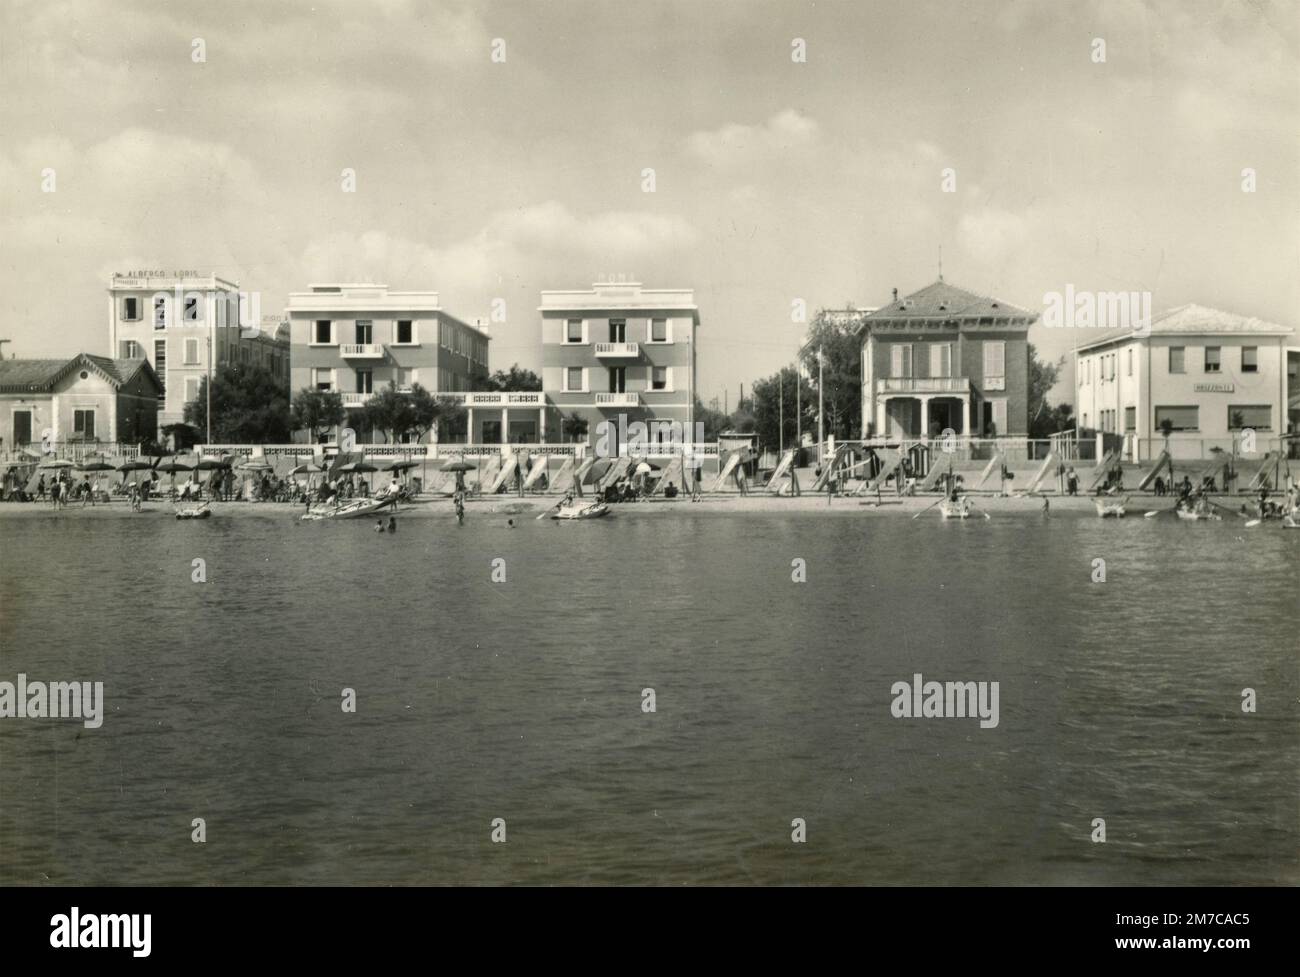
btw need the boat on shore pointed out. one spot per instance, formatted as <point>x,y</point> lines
<point>1195,515</point>
<point>200,511</point>
<point>1110,509</point>
<point>593,510</point>
<point>355,509</point>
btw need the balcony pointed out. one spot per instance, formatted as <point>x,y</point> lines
<point>356,399</point>
<point>363,351</point>
<point>521,398</point>
<point>609,351</point>
<point>618,400</point>
<point>925,385</point>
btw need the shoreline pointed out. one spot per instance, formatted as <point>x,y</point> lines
<point>436,507</point>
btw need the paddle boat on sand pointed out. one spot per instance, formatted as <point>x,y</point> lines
<point>1197,514</point>
<point>200,511</point>
<point>591,510</point>
<point>355,509</point>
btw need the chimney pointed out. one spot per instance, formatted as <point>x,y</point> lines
<point>895,295</point>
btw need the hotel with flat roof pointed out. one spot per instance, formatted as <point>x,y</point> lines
<point>357,338</point>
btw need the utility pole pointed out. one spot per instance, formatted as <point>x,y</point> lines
<point>781,408</point>
<point>798,420</point>
<point>208,385</point>
<point>821,403</point>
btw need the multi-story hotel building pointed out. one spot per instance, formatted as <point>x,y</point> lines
<point>618,351</point>
<point>357,338</point>
<point>943,359</point>
<point>186,325</point>
<point>1203,374</point>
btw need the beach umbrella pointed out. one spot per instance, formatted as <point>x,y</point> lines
<point>645,468</point>
<point>353,467</point>
<point>211,464</point>
<point>458,466</point>
<point>253,465</point>
<point>307,469</point>
<point>55,463</point>
<point>95,466</point>
<point>401,466</point>
<point>134,465</point>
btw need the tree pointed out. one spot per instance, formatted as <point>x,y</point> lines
<point>1042,378</point>
<point>183,436</point>
<point>841,372</point>
<point>450,418</point>
<point>391,412</point>
<point>316,411</point>
<point>712,421</point>
<point>574,427</point>
<point>425,411</point>
<point>516,378</point>
<point>774,399</point>
<point>249,406</point>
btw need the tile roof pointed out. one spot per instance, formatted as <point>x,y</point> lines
<point>1193,318</point>
<point>22,376</point>
<point>943,300</point>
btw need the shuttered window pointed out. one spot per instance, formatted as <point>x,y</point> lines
<point>995,358</point>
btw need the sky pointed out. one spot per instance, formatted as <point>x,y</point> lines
<point>500,149</point>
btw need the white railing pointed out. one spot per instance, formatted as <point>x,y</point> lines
<point>629,399</point>
<point>363,351</point>
<point>618,349</point>
<point>499,398</point>
<point>924,385</point>
<point>356,399</point>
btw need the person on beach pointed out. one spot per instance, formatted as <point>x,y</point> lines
<point>1072,481</point>
<point>87,493</point>
<point>697,479</point>
<point>741,480</point>
<point>379,525</point>
<point>392,524</point>
<point>40,489</point>
<point>458,499</point>
<point>56,487</point>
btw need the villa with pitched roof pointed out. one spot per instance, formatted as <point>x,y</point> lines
<point>84,398</point>
<point>944,358</point>
<point>1204,375</point>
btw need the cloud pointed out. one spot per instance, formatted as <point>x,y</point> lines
<point>735,144</point>
<point>545,235</point>
<point>991,235</point>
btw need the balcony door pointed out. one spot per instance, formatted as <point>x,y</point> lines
<point>617,379</point>
<point>365,381</point>
<point>618,331</point>
<point>365,332</point>
<point>22,427</point>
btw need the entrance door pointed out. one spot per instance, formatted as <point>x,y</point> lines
<point>22,427</point>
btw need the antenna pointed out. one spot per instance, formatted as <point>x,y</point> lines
<point>941,262</point>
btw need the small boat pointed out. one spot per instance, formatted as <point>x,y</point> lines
<point>1192,515</point>
<point>348,510</point>
<point>1105,509</point>
<point>955,510</point>
<point>200,511</point>
<point>593,510</point>
<point>1291,521</point>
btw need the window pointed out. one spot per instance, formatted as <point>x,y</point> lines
<point>618,330</point>
<point>1250,359</point>
<point>1212,359</point>
<point>406,378</point>
<point>1111,358</point>
<point>1176,358</point>
<point>1128,369</point>
<point>83,424</point>
<point>160,312</point>
<point>365,332</point>
<point>1259,417</point>
<point>617,379</point>
<point>1130,417</point>
<point>160,365</point>
<point>573,379</point>
<point>191,357</point>
<point>574,331</point>
<point>1179,418</point>
<point>191,308</point>
<point>658,330</point>
<point>659,378</point>
<point>323,378</point>
<point>941,359</point>
<point>900,360</point>
<point>323,333</point>
<point>191,389</point>
<point>131,309</point>
<point>995,358</point>
<point>405,331</point>
<point>131,350</point>
<point>365,381</point>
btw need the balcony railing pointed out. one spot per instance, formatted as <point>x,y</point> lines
<point>618,400</point>
<point>925,385</point>
<point>363,351</point>
<point>356,399</point>
<point>616,350</point>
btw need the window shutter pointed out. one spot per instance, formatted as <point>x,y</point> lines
<point>896,361</point>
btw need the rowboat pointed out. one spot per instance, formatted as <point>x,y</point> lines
<point>355,509</point>
<point>1105,509</point>
<point>194,512</point>
<point>955,510</point>
<point>593,511</point>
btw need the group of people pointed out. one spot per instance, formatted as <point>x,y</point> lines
<point>63,489</point>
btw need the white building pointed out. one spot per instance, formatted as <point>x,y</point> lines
<point>1207,375</point>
